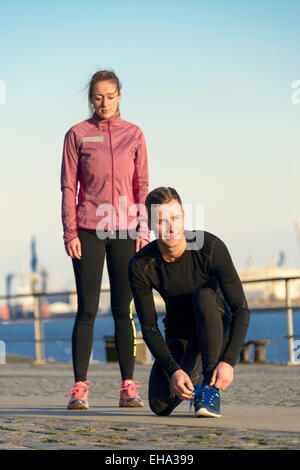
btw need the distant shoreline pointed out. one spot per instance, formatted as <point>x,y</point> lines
<point>65,316</point>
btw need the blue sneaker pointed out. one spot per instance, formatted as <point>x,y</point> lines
<point>206,401</point>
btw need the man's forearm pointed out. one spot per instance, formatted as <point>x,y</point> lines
<point>159,348</point>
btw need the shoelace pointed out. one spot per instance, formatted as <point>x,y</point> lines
<point>196,393</point>
<point>206,393</point>
<point>131,388</point>
<point>80,387</point>
<point>209,394</point>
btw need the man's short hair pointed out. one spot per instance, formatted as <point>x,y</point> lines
<point>161,195</point>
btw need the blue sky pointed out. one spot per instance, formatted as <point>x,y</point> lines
<point>209,82</point>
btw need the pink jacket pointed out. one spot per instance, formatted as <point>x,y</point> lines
<point>108,157</point>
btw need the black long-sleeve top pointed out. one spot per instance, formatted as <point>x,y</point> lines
<point>208,266</point>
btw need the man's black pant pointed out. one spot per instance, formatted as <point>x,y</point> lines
<point>212,323</point>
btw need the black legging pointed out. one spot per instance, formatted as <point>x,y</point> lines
<point>212,330</point>
<point>88,275</point>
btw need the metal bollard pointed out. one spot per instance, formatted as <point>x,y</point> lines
<point>245,353</point>
<point>143,355</point>
<point>260,350</point>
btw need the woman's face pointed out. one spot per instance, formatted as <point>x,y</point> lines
<point>105,99</point>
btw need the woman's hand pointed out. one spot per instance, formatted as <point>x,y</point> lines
<point>73,248</point>
<point>140,242</point>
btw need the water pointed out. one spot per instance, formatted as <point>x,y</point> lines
<point>18,336</point>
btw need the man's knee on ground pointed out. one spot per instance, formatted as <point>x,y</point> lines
<point>159,408</point>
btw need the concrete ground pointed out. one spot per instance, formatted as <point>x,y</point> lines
<point>260,410</point>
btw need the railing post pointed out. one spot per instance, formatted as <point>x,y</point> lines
<point>38,332</point>
<point>289,319</point>
<point>38,326</point>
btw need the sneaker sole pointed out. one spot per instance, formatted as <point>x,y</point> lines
<point>77,406</point>
<point>205,412</point>
<point>131,405</point>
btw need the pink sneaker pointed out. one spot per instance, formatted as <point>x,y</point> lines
<point>79,398</point>
<point>129,398</point>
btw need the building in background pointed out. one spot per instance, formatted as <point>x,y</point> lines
<point>271,293</point>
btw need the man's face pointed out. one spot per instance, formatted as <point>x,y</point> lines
<point>168,223</point>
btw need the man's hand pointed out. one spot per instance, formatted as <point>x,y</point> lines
<point>222,376</point>
<point>182,385</point>
<point>73,248</point>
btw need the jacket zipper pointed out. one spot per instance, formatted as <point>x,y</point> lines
<point>112,166</point>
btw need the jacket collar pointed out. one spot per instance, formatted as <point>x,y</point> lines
<point>115,120</point>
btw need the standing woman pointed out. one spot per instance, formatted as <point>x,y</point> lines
<point>107,156</point>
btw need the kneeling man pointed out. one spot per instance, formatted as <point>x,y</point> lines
<point>207,315</point>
